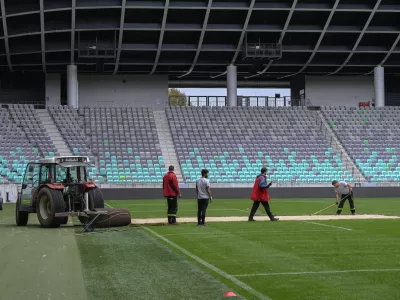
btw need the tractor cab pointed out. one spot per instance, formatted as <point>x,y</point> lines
<point>55,173</point>
<point>57,188</point>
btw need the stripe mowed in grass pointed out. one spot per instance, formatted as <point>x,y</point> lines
<point>277,260</point>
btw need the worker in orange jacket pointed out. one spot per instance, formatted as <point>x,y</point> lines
<point>171,191</point>
<point>260,194</point>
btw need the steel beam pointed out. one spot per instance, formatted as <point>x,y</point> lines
<point>321,37</point>
<point>5,32</point>
<point>73,26</point>
<point>283,33</point>
<point>161,39</point>
<point>244,29</point>
<point>42,37</point>
<point>388,54</point>
<point>121,36</point>
<point>200,44</point>
<point>378,2</point>
<point>243,32</point>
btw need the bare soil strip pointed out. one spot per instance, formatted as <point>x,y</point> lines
<point>281,218</point>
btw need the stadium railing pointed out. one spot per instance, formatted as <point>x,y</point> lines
<point>349,165</point>
<point>253,101</point>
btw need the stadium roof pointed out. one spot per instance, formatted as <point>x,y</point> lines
<point>198,39</point>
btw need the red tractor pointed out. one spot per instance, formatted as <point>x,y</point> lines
<point>57,188</point>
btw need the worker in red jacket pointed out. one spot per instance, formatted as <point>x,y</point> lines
<point>260,195</point>
<point>171,191</point>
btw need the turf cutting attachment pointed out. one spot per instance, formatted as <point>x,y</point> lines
<point>105,218</point>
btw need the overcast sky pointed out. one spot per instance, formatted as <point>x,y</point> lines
<point>241,92</point>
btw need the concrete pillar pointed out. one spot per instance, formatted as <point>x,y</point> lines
<point>72,86</point>
<point>379,82</point>
<point>232,85</point>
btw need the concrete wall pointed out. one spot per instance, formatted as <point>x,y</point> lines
<point>22,88</point>
<point>339,91</point>
<point>53,89</point>
<point>123,90</point>
<point>244,193</point>
<point>297,89</point>
<point>392,91</point>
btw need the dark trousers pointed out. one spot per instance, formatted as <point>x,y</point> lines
<point>256,204</point>
<point>343,198</point>
<point>202,205</point>
<point>172,209</point>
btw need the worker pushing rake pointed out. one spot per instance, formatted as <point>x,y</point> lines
<point>345,192</point>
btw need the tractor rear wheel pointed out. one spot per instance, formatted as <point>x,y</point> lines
<point>21,217</point>
<point>96,200</point>
<point>49,203</point>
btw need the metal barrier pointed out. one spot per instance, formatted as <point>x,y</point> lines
<point>36,104</point>
<point>248,101</point>
<point>9,192</point>
<point>264,101</point>
<point>335,144</point>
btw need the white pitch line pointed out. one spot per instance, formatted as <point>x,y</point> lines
<point>195,209</point>
<point>210,266</point>
<point>244,232</point>
<point>320,224</point>
<point>108,205</point>
<point>319,272</point>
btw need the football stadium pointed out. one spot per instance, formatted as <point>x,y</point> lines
<point>268,130</point>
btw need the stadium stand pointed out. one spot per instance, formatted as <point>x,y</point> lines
<point>25,117</point>
<point>122,142</point>
<point>125,141</point>
<point>16,150</point>
<point>363,133</point>
<point>234,143</point>
<point>70,127</point>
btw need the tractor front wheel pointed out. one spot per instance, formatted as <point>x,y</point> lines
<point>49,203</point>
<point>96,199</point>
<point>21,217</point>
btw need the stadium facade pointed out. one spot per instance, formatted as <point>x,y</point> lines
<point>112,62</point>
<point>129,51</point>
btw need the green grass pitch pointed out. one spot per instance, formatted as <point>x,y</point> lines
<point>337,259</point>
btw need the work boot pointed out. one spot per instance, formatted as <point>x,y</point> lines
<point>174,221</point>
<point>251,219</point>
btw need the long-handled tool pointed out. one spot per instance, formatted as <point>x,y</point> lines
<point>337,203</point>
<point>334,204</point>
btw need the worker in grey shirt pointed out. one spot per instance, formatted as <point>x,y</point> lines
<point>203,190</point>
<point>345,192</point>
